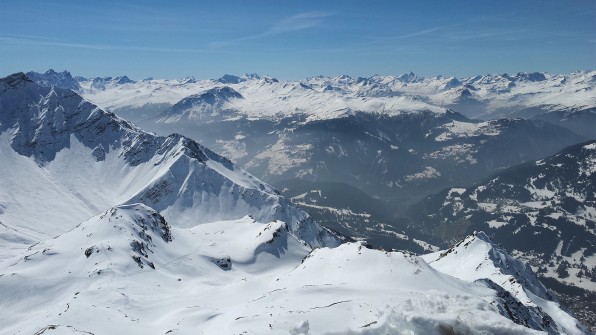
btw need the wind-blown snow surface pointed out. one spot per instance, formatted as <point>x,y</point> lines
<point>64,160</point>
<point>128,271</point>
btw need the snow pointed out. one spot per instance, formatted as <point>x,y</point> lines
<point>106,228</point>
<point>332,97</point>
<point>337,211</point>
<point>428,173</point>
<point>281,157</point>
<point>487,206</point>
<point>457,129</point>
<point>476,257</point>
<point>461,153</point>
<point>457,190</point>
<point>262,98</point>
<point>425,245</point>
<point>229,277</point>
<point>54,186</point>
<point>496,223</point>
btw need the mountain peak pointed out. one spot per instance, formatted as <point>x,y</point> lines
<point>54,72</point>
<point>477,256</point>
<point>16,79</point>
<point>533,77</point>
<point>251,76</point>
<point>477,259</point>
<point>482,236</point>
<point>408,77</point>
<point>230,79</point>
<point>52,78</point>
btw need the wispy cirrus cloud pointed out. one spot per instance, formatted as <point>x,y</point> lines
<point>47,41</point>
<point>301,21</point>
<point>431,31</point>
<point>491,34</point>
<point>41,41</point>
<point>52,42</point>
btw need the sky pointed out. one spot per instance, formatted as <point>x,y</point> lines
<point>296,39</point>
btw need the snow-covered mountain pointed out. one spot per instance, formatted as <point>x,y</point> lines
<point>477,258</point>
<point>543,211</point>
<point>52,78</point>
<point>107,228</point>
<point>204,106</point>
<point>375,134</point>
<point>528,95</point>
<point>486,96</point>
<point>64,160</point>
<point>128,270</point>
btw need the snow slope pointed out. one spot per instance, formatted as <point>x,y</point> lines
<point>477,258</point>
<point>128,271</point>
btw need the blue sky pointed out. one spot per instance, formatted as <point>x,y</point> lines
<point>296,39</point>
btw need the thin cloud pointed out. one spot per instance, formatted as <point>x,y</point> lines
<point>414,34</point>
<point>423,32</point>
<point>41,41</point>
<point>301,21</point>
<point>298,22</point>
<point>30,37</point>
<point>481,35</point>
<point>49,42</point>
<point>46,41</point>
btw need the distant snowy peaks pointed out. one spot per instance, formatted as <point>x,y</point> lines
<point>408,77</point>
<point>233,79</point>
<point>487,96</point>
<point>102,83</point>
<point>52,78</point>
<point>209,102</point>
<point>251,76</point>
<point>185,80</point>
<point>230,79</point>
<point>223,93</point>
<point>452,82</point>
<point>534,76</point>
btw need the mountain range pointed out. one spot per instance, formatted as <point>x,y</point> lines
<point>64,160</point>
<point>70,160</point>
<point>398,146</point>
<point>565,99</point>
